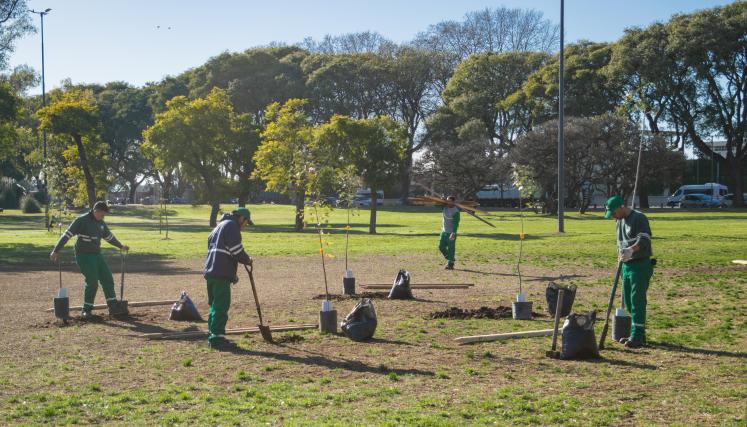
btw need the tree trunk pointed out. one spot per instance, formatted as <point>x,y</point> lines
<point>215,207</point>
<point>133,189</point>
<point>406,173</point>
<point>372,222</point>
<point>90,184</point>
<point>643,198</point>
<point>735,167</point>
<point>300,198</point>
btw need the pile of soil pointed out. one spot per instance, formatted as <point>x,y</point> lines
<point>500,312</point>
<point>338,297</point>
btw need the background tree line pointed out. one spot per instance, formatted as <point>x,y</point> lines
<point>465,104</point>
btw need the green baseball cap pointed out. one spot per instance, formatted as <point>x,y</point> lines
<point>613,203</point>
<point>245,213</point>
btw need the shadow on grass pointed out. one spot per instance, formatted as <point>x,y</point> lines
<point>26,257</point>
<point>682,349</point>
<point>318,359</point>
<point>624,363</point>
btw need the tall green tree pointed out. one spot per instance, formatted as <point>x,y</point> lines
<point>413,79</point>
<point>589,91</point>
<point>374,147</point>
<point>354,84</point>
<point>689,75</point>
<point>253,79</point>
<point>15,22</point>
<point>125,113</point>
<point>196,136</point>
<point>480,90</point>
<point>284,159</point>
<point>74,116</point>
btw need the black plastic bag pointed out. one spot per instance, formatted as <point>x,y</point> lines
<point>551,293</point>
<point>360,324</point>
<point>579,341</point>
<point>185,309</point>
<point>401,288</point>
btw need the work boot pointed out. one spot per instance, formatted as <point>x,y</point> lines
<point>86,315</point>
<point>632,343</point>
<point>222,345</point>
<point>449,266</point>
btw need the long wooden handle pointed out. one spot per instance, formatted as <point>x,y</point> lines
<point>254,291</point>
<point>499,337</point>
<point>609,306</point>
<point>559,304</point>
<point>121,282</point>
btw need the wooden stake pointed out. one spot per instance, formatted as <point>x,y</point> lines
<point>237,331</point>
<point>129,304</point>
<point>418,286</point>
<point>500,337</point>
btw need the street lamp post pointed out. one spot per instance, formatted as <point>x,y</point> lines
<point>44,133</point>
<point>561,119</point>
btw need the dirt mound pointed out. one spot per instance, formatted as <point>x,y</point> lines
<point>500,312</point>
<point>337,297</point>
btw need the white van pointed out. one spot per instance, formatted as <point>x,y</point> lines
<point>716,191</point>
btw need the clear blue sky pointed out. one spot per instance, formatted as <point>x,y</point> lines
<point>99,41</point>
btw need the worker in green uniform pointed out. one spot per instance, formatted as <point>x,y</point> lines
<point>449,227</point>
<point>91,229</point>
<point>634,251</point>
<point>225,252</point>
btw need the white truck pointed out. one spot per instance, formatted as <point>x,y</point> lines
<point>716,191</point>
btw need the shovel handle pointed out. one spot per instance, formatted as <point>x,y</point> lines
<point>121,283</point>
<point>609,307</point>
<point>254,291</point>
<point>559,304</point>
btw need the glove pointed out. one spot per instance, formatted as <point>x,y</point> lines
<point>626,254</point>
<point>235,280</point>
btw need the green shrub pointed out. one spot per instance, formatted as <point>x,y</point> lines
<point>10,193</point>
<point>30,205</point>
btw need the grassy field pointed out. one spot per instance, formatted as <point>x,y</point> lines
<point>695,371</point>
<point>719,236</point>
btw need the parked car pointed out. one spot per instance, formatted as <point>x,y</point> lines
<point>700,201</point>
<point>363,198</point>
<point>729,199</point>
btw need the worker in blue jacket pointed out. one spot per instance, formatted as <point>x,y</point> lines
<point>225,252</point>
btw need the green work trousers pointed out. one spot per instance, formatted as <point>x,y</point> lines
<point>219,298</point>
<point>447,247</point>
<point>95,271</point>
<point>636,275</point>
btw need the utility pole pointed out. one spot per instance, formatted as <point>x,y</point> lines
<point>44,133</point>
<point>561,119</point>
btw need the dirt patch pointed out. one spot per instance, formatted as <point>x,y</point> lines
<point>500,312</point>
<point>338,297</point>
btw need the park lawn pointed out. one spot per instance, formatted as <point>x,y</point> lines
<point>589,239</point>
<point>412,373</point>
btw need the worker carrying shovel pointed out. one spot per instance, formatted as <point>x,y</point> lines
<point>449,226</point>
<point>91,229</point>
<point>634,251</point>
<point>225,251</point>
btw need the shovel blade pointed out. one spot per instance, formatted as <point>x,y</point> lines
<point>266,333</point>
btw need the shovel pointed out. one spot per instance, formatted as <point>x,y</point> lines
<point>609,307</point>
<point>264,330</point>
<point>553,353</point>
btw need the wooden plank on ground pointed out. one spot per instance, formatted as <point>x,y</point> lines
<point>504,336</point>
<point>130,304</point>
<point>420,286</point>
